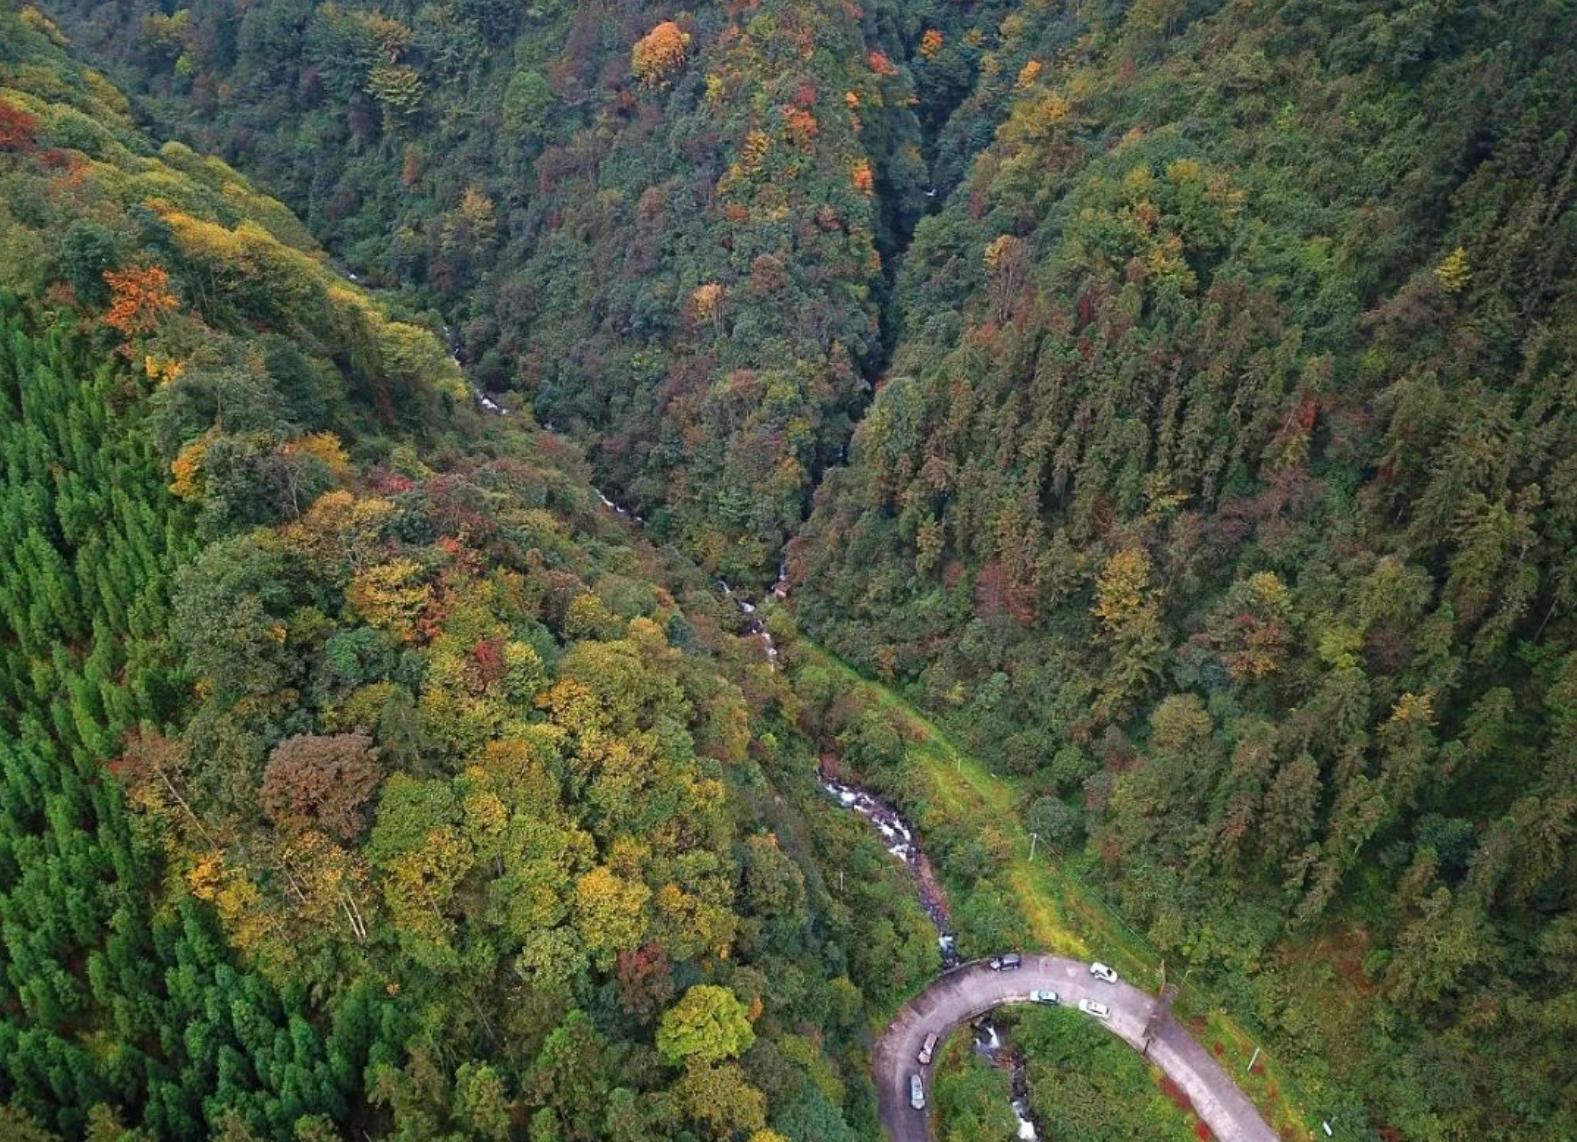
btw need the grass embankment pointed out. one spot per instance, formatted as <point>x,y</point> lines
<point>1064,914</point>
<point>969,1097</point>
<point>1080,1083</point>
<point>1084,1084</point>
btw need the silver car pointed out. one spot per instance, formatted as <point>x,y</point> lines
<point>916,1092</point>
<point>927,1049</point>
<point>1096,1010</point>
<point>1043,997</point>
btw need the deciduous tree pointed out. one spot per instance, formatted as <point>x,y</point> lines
<point>321,780</point>
<point>657,54</point>
<point>139,297</point>
<point>707,1025</point>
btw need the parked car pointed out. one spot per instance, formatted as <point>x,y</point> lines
<point>916,1092</point>
<point>1011,961</point>
<point>1043,997</point>
<point>1102,972</point>
<point>928,1049</point>
<point>1098,1010</point>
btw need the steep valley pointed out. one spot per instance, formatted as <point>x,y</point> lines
<point>1160,415</point>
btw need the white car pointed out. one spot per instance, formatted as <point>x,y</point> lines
<point>1097,1010</point>
<point>1043,997</point>
<point>1104,973</point>
<point>916,1092</point>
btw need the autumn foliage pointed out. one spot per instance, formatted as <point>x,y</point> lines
<point>801,125</point>
<point>707,301</point>
<point>185,469</point>
<point>138,296</point>
<point>321,780</point>
<point>18,128</point>
<point>659,52</point>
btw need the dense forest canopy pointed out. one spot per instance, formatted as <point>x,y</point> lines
<point>1176,398</point>
<point>360,774</point>
<point>664,226</point>
<point>1223,488</point>
<point>673,230</point>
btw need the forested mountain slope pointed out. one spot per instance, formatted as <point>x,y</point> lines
<point>664,225</point>
<point>674,229</point>
<point>1224,486</point>
<point>361,776</point>
<point>1215,479</point>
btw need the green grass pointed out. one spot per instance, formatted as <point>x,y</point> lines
<point>1065,915</point>
<point>1086,1084</point>
<point>969,1098</point>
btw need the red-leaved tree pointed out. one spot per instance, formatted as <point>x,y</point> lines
<point>18,128</point>
<point>321,780</point>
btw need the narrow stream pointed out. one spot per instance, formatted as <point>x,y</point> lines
<point>754,627</point>
<point>991,1046</point>
<point>889,823</point>
<point>895,832</point>
<point>900,841</point>
<point>485,402</point>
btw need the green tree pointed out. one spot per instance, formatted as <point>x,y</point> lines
<point>708,1025</point>
<point>719,1101</point>
<point>481,1104</point>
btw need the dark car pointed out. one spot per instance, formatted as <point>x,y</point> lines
<point>1011,961</point>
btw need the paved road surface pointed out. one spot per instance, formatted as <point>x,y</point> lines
<point>972,990</point>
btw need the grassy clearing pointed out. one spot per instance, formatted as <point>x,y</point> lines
<point>1065,916</point>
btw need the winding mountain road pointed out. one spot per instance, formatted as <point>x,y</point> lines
<point>974,989</point>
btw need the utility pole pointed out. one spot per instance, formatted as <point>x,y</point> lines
<point>1253,1060</point>
<point>1033,837</point>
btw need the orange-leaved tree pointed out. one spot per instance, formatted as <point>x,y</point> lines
<point>659,52</point>
<point>138,296</point>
